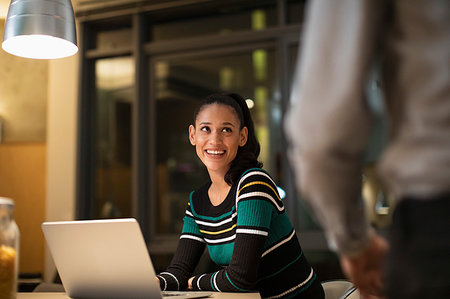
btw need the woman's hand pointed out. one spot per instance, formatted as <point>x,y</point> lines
<point>190,283</point>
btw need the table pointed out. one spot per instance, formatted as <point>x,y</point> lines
<point>38,295</point>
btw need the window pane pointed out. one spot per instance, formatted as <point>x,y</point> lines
<point>179,87</point>
<point>115,97</point>
<point>223,22</point>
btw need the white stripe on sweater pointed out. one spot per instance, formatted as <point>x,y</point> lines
<point>263,194</point>
<point>218,223</point>
<point>198,281</point>
<point>192,237</point>
<point>220,240</point>
<point>279,244</point>
<point>215,282</point>
<point>251,231</point>
<point>171,275</point>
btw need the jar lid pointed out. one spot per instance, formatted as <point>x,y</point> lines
<point>6,201</point>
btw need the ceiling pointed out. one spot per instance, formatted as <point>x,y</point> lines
<point>4,4</point>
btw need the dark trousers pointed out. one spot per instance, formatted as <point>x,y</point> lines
<point>418,264</point>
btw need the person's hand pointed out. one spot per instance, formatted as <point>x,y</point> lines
<point>365,270</point>
<point>190,283</point>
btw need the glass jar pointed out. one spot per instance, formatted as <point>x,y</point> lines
<point>9,250</point>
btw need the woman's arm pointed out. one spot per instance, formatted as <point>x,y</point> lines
<point>185,260</point>
<point>329,127</point>
<point>189,250</point>
<point>241,274</point>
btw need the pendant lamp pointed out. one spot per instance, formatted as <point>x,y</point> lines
<point>40,29</point>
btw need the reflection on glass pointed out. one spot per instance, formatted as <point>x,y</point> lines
<point>180,85</point>
<point>114,96</point>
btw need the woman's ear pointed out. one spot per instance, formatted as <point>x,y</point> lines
<point>243,136</point>
<point>192,134</point>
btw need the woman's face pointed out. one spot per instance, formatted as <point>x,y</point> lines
<point>217,137</point>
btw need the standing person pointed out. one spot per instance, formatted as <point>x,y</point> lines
<point>329,125</point>
<point>238,215</point>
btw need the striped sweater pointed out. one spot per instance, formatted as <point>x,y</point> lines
<point>249,235</point>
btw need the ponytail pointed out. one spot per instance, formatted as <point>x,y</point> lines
<point>247,155</point>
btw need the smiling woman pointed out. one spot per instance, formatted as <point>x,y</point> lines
<point>238,215</point>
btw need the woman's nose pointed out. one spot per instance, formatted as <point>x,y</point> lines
<point>215,137</point>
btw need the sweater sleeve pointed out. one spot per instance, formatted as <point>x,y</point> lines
<point>257,198</point>
<point>189,250</point>
<point>329,127</point>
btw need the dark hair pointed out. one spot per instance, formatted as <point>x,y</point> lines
<point>247,155</point>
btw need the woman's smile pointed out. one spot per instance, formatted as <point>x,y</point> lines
<point>215,153</point>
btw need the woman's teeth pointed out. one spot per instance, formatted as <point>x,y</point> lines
<point>215,152</point>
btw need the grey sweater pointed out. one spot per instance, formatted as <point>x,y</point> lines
<point>330,121</point>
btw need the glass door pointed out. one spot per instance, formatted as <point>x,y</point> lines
<point>179,83</point>
<point>113,151</point>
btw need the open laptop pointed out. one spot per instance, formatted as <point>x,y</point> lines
<point>105,259</point>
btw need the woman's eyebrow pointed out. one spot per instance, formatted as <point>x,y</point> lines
<point>228,124</point>
<point>224,123</point>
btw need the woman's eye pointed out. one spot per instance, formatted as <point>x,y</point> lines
<point>204,129</point>
<point>227,130</point>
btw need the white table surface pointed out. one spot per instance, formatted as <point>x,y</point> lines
<point>38,295</point>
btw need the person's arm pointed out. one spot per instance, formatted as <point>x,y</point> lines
<point>330,121</point>
<point>365,269</point>
<point>329,126</point>
<point>241,274</point>
<point>189,250</point>
<point>254,213</point>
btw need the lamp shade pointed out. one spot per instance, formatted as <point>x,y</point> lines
<point>41,29</point>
